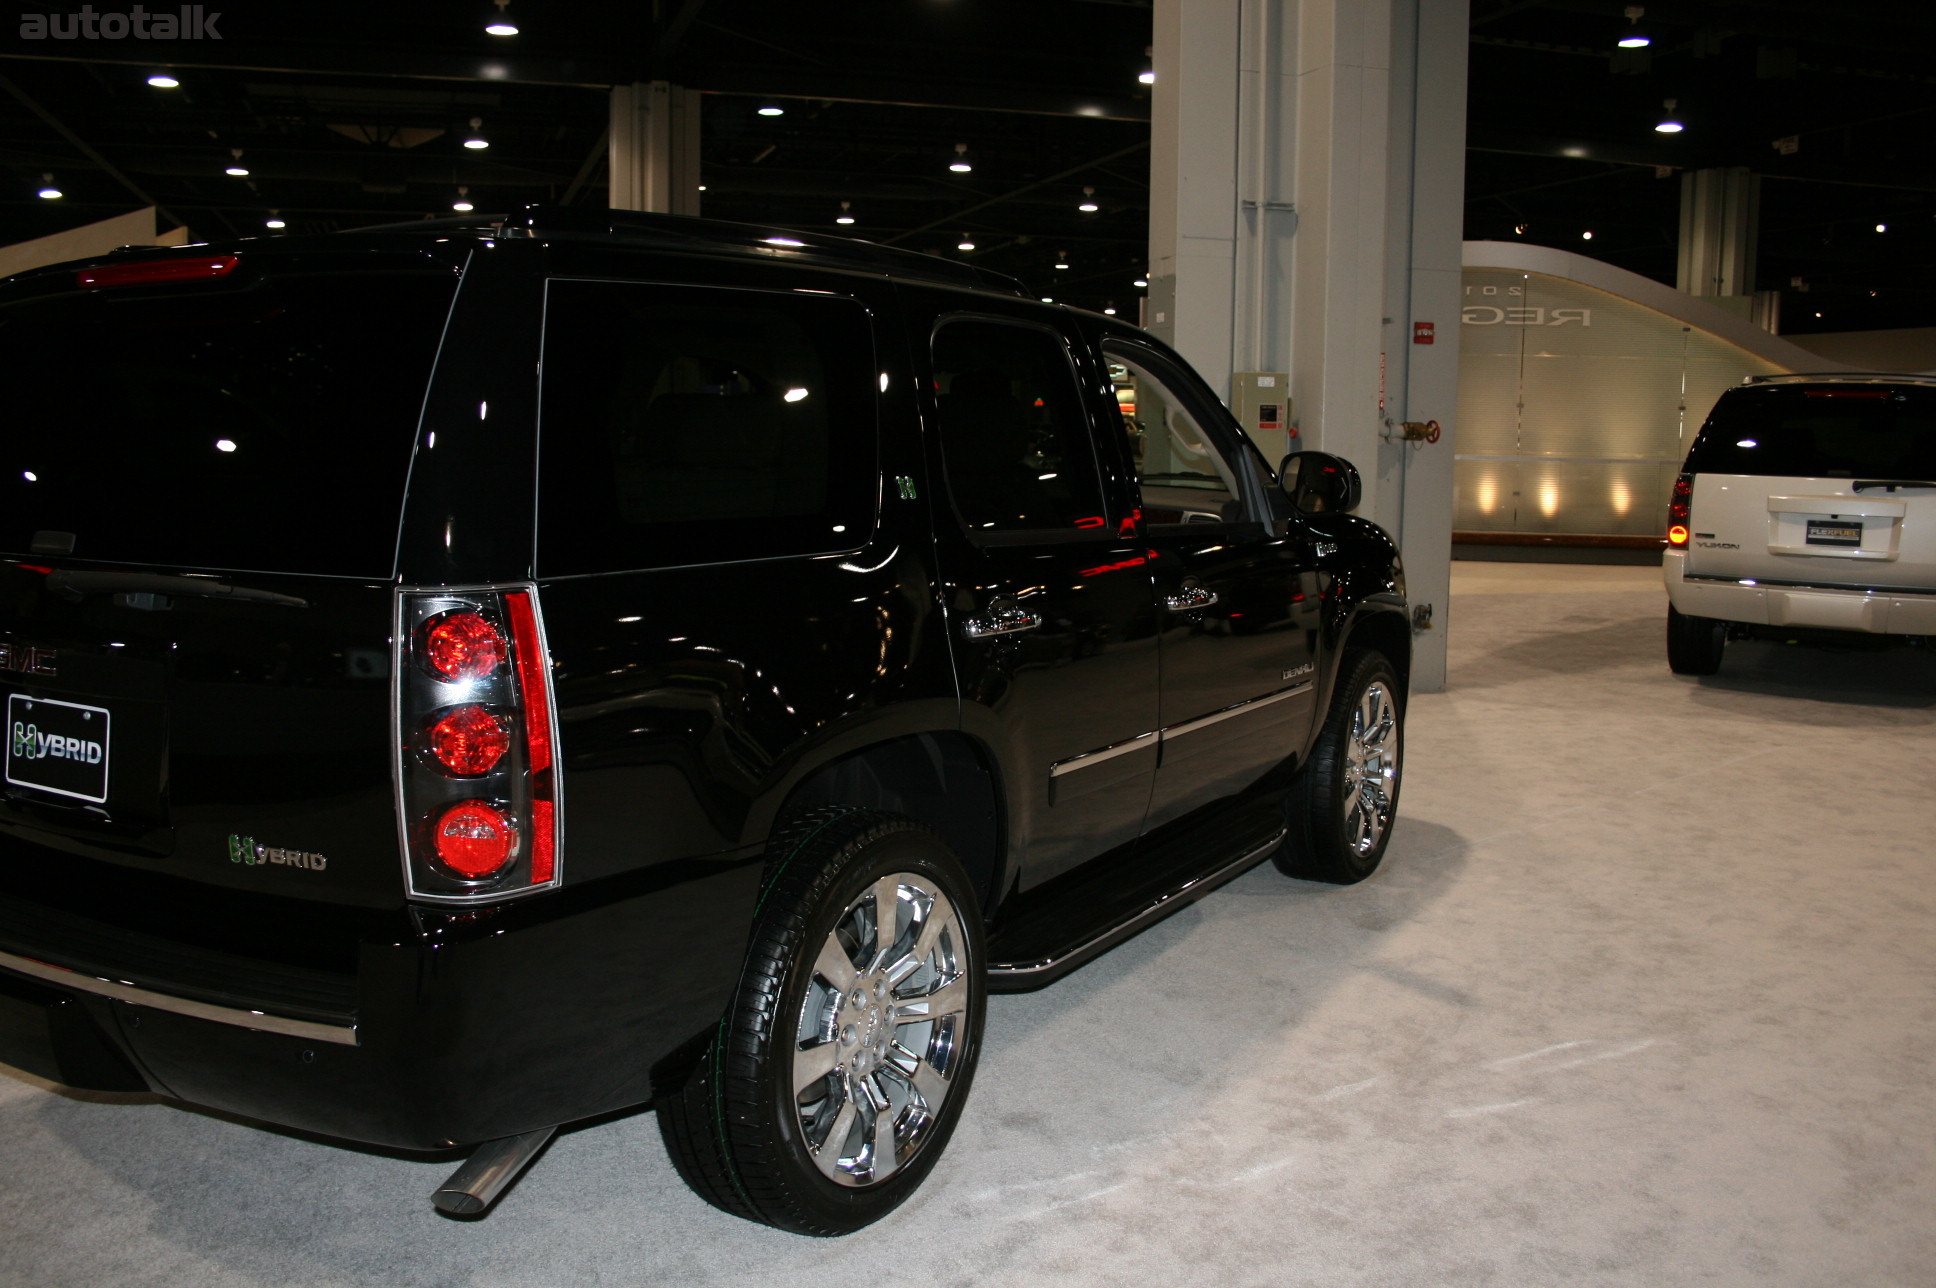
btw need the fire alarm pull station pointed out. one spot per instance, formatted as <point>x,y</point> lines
<point>1262,403</point>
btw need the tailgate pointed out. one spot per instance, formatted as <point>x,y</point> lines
<point>1814,530</point>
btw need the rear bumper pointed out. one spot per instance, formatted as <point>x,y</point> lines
<point>471,1026</point>
<point>1763,602</point>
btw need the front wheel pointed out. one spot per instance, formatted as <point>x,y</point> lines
<point>1341,805</point>
<point>841,1066</point>
<point>1694,644</point>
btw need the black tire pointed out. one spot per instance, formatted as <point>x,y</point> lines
<point>753,1128</point>
<point>1343,801</point>
<point>1694,644</point>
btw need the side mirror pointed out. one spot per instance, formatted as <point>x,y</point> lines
<point>1320,483</point>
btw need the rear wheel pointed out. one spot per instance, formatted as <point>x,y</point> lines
<point>841,1066</point>
<point>1694,644</point>
<point>1343,801</point>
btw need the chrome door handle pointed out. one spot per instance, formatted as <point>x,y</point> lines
<point>1000,620</point>
<point>1190,599</point>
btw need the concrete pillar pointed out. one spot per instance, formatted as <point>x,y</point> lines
<point>654,148</point>
<point>1720,217</point>
<point>1305,212</point>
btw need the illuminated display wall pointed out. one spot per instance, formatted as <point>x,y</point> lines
<point>1576,406</point>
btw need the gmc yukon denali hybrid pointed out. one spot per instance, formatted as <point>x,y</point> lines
<point>469,677</point>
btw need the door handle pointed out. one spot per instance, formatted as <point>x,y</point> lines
<point>1000,619</point>
<point>1190,599</point>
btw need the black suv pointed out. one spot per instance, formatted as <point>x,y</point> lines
<point>469,677</point>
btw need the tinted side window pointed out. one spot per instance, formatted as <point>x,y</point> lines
<point>1835,431</point>
<point>1014,437</point>
<point>684,425</point>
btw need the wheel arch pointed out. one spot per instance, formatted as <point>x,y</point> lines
<point>943,779</point>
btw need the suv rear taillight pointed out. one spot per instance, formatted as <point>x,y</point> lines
<point>477,792</point>
<point>1680,511</point>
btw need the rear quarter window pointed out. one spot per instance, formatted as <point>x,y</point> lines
<point>691,425</point>
<point>1823,431</point>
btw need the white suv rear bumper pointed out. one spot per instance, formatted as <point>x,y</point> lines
<point>1877,612</point>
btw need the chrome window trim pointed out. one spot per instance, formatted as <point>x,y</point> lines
<point>342,1035</point>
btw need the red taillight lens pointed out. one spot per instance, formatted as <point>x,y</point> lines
<point>469,741</point>
<point>1680,510</point>
<point>474,839</point>
<point>144,272</point>
<point>477,786</point>
<point>462,646</point>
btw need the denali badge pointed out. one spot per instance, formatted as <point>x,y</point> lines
<point>26,657</point>
<point>243,849</point>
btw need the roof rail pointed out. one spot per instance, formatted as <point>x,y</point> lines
<point>683,232</point>
<point>1856,377</point>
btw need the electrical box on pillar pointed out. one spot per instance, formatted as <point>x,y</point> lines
<point>1261,401</point>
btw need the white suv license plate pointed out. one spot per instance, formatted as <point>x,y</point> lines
<point>58,747</point>
<point>1830,532</point>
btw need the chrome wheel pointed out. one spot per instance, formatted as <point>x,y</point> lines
<point>1371,768</point>
<point>880,1030</point>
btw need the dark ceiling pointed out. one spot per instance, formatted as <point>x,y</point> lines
<point>350,114</point>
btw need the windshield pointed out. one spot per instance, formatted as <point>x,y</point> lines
<point>1852,431</point>
<point>267,427</point>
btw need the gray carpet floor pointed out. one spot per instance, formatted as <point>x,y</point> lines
<point>1645,994</point>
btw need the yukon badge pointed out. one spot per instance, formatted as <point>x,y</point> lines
<point>243,849</point>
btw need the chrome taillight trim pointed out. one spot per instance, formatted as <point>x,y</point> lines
<point>400,675</point>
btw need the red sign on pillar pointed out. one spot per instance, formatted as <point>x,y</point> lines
<point>1422,333</point>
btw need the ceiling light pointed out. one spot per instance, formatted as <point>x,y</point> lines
<point>162,80</point>
<point>236,167</point>
<point>772,109</point>
<point>477,141</point>
<point>846,215</point>
<point>966,243</point>
<point>1587,235</point>
<point>275,220</point>
<point>1062,259</point>
<point>782,241</point>
<point>47,188</point>
<point>961,164</point>
<point>463,204</point>
<point>1088,206</point>
<point>501,24</point>
<point>1048,299</point>
<point>1110,308</point>
<point>1519,230</point>
<point>1634,38</point>
<point>1882,228</point>
<point>1148,76</point>
<point>1141,281</point>
<point>1669,124</point>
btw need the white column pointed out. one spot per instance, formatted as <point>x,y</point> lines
<point>1307,189</point>
<point>654,148</point>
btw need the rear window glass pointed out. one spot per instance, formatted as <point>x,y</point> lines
<point>265,426</point>
<point>687,425</point>
<point>1822,431</point>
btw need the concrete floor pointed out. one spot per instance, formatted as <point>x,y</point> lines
<point>1645,994</point>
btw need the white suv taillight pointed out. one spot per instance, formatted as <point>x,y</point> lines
<point>476,786</point>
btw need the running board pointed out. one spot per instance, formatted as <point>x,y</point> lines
<point>489,1172</point>
<point>1020,977</point>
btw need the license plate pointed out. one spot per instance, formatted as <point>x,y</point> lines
<point>1833,532</point>
<point>59,747</point>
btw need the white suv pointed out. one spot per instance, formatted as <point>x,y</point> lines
<point>1806,502</point>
